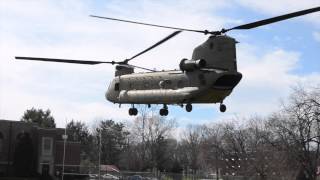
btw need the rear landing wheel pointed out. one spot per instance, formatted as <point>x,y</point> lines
<point>163,112</point>
<point>189,107</point>
<point>223,108</point>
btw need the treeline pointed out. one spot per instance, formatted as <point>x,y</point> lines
<point>285,144</point>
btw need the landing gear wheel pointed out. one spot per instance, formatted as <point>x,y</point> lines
<point>223,108</point>
<point>163,112</point>
<point>133,111</point>
<point>130,111</point>
<point>189,107</point>
<point>166,112</point>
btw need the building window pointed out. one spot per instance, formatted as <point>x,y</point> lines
<point>211,45</point>
<point>46,146</point>
<point>1,142</point>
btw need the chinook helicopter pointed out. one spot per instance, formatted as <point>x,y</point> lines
<point>208,77</point>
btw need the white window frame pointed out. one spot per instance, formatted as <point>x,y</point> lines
<point>47,152</point>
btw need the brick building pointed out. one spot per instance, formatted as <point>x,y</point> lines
<point>46,144</point>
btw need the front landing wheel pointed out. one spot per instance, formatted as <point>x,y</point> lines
<point>188,107</point>
<point>133,111</point>
<point>223,108</point>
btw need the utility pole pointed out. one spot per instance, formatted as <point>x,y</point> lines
<point>143,141</point>
<point>64,137</point>
<point>99,166</point>
<point>9,149</point>
<point>217,169</point>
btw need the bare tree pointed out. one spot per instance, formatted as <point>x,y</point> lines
<point>263,160</point>
<point>212,148</point>
<point>151,134</point>
<point>192,144</point>
<point>240,149</point>
<point>296,131</point>
<point>158,130</point>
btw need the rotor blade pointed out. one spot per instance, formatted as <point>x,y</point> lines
<point>155,45</point>
<point>66,60</point>
<point>139,67</point>
<point>148,24</point>
<point>275,19</point>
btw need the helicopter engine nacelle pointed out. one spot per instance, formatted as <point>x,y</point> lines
<point>190,65</point>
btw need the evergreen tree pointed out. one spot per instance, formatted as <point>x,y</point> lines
<point>43,118</point>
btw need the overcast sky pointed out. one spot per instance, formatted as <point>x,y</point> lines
<point>272,58</point>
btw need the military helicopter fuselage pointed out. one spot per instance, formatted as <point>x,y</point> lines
<point>209,77</point>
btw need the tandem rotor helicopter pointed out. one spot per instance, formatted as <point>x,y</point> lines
<point>208,77</point>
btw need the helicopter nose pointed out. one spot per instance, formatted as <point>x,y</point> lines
<point>106,94</point>
<point>109,95</point>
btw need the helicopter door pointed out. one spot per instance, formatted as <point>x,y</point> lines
<point>117,86</point>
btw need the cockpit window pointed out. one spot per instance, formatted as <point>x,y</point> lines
<point>116,87</point>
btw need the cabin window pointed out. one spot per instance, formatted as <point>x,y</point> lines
<point>117,87</point>
<point>161,84</point>
<point>165,84</point>
<point>168,82</point>
<point>146,84</point>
